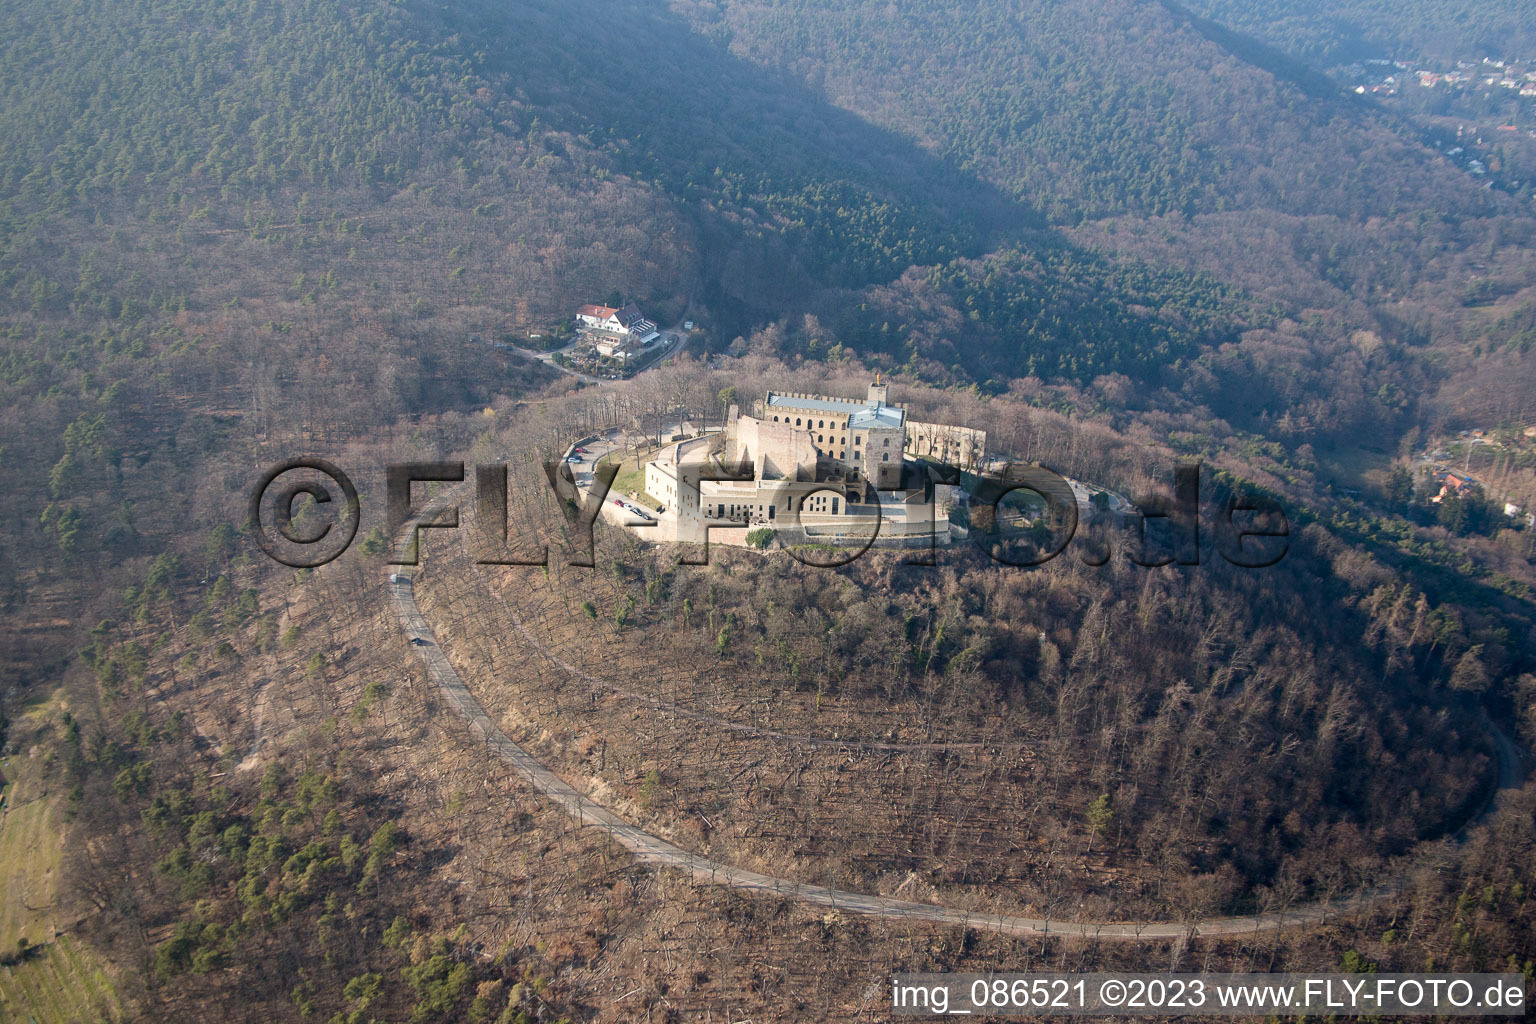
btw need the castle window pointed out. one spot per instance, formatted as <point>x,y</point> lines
<point>886,457</point>
<point>797,421</point>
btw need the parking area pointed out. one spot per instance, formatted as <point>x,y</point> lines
<point>627,497</point>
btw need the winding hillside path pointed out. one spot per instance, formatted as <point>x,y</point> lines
<point>652,850</point>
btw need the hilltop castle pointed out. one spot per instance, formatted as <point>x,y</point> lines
<point>834,468</point>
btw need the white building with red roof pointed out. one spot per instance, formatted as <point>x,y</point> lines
<point>620,322</point>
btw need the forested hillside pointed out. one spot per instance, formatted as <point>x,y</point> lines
<point>1088,110</point>
<point>228,225</point>
<point>344,164</point>
<point>237,231</point>
<point>1162,139</point>
<point>238,224</point>
<point>1337,33</point>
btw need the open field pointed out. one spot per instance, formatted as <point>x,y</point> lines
<point>29,861</point>
<point>61,980</point>
<point>29,846</point>
<point>60,984</point>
